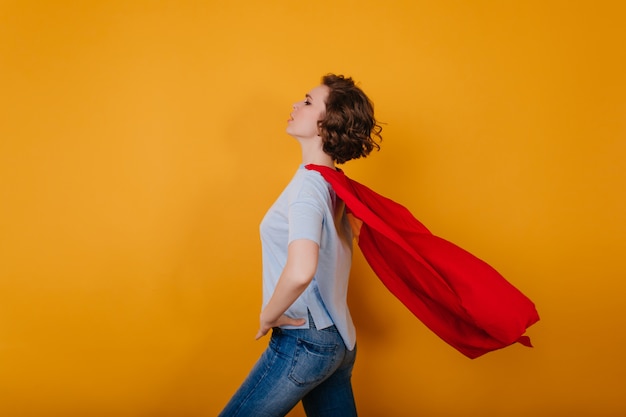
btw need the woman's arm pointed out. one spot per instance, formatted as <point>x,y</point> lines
<point>302,255</point>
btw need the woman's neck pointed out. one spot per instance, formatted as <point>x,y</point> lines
<point>326,161</point>
<point>313,154</point>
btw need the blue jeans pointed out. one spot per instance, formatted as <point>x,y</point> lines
<point>301,364</point>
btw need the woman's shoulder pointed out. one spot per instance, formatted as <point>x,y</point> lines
<point>310,183</point>
<point>314,179</point>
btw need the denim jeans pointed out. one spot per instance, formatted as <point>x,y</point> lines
<point>300,364</point>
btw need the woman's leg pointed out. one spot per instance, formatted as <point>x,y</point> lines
<point>262,393</point>
<point>294,363</point>
<point>334,396</point>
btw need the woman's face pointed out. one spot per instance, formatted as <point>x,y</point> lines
<point>306,113</point>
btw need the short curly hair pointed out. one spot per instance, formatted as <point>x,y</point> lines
<point>348,129</point>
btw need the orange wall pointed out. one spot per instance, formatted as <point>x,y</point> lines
<point>142,142</point>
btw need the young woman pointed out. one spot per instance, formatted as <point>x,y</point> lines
<point>307,250</point>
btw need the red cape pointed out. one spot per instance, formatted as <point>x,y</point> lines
<point>458,296</point>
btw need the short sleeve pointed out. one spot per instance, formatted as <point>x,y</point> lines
<point>305,220</point>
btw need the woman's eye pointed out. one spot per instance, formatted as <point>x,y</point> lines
<point>307,102</point>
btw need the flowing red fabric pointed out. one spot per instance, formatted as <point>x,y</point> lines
<point>462,299</point>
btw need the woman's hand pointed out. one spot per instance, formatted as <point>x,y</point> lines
<point>281,321</point>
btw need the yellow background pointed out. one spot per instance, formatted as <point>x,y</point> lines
<point>142,141</point>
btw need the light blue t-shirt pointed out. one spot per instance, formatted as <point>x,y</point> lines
<point>308,208</point>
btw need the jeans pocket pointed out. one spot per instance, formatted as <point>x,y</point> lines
<point>312,362</point>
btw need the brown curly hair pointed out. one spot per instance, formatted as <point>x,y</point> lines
<point>348,129</point>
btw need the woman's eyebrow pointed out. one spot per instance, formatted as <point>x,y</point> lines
<point>308,96</point>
